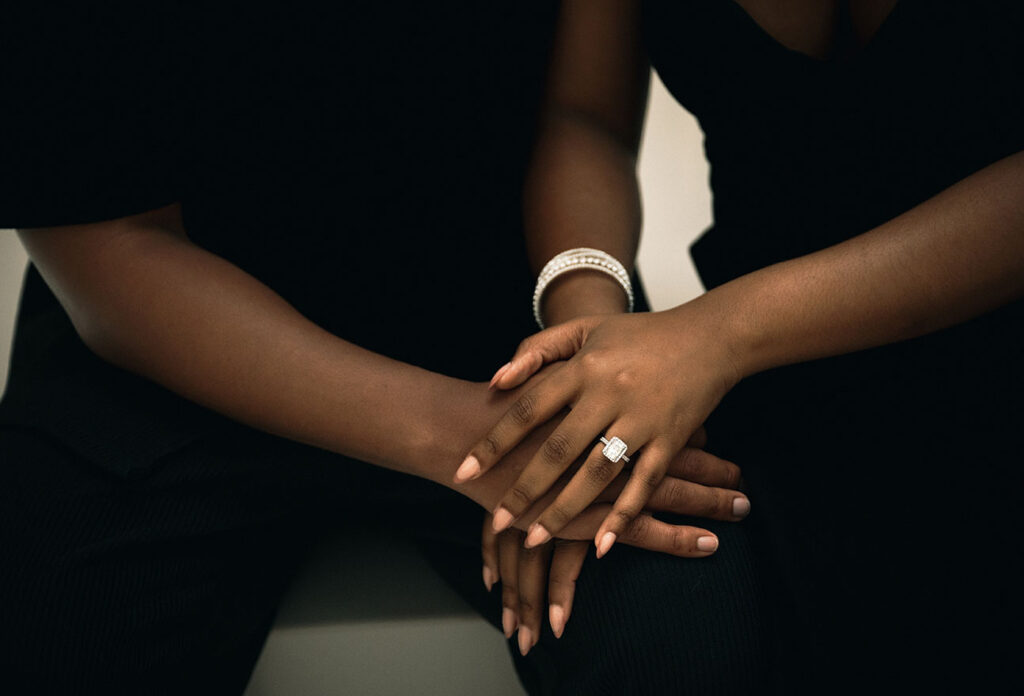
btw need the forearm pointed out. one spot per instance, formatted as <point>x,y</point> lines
<point>582,190</point>
<point>951,258</point>
<point>151,302</point>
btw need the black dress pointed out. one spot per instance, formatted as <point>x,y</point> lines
<point>881,481</point>
<point>365,160</point>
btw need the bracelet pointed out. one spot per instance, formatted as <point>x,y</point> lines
<point>578,259</point>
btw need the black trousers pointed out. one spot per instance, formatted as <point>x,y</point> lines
<point>168,583</point>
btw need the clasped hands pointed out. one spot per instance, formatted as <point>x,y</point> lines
<point>636,377</point>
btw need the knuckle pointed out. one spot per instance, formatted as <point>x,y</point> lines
<point>523,409</point>
<point>679,496</point>
<point>555,517</point>
<point>592,361</point>
<point>640,528</point>
<point>691,462</point>
<point>528,605</point>
<point>519,498</point>
<point>681,542</point>
<point>733,476</point>
<point>599,471</point>
<point>557,448</point>
<point>625,379</point>
<point>713,505</point>
<point>648,478</point>
<point>491,445</point>
<point>561,584</point>
<point>623,517</point>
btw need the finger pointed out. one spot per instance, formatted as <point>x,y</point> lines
<point>489,552</point>
<point>647,475</point>
<point>566,564</point>
<point>679,540</point>
<point>699,439</point>
<point>695,500</point>
<point>645,532</point>
<point>558,452</point>
<point>533,572</point>
<point>597,472</point>
<point>693,464</point>
<point>533,408</point>
<point>550,345</point>
<point>509,544</point>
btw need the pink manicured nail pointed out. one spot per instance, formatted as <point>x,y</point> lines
<point>537,536</point>
<point>740,507</point>
<point>468,469</point>
<point>556,617</point>
<point>707,543</point>
<point>488,578</point>
<point>606,543</point>
<point>502,520</point>
<point>497,375</point>
<point>508,621</point>
<point>525,640</point>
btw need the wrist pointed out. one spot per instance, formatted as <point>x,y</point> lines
<point>582,293</point>
<point>462,413</point>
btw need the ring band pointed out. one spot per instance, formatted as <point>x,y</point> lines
<point>614,450</point>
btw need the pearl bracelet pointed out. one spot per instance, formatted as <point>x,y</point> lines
<point>575,260</point>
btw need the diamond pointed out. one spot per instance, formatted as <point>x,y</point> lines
<point>614,449</point>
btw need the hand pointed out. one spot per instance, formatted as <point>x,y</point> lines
<point>649,379</point>
<point>698,484</point>
<point>524,574</point>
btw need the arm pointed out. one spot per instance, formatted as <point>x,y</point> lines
<point>146,299</point>
<point>951,258</point>
<point>582,187</point>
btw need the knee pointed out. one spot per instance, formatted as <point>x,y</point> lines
<point>646,623</point>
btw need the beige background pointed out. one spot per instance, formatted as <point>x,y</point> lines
<point>353,622</point>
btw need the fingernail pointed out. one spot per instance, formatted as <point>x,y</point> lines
<point>469,468</point>
<point>508,621</point>
<point>488,578</point>
<point>556,617</point>
<point>502,520</point>
<point>525,640</point>
<point>707,543</point>
<point>537,536</point>
<point>606,543</point>
<point>740,507</point>
<point>497,375</point>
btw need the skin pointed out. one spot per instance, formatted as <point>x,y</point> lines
<point>652,379</point>
<point>145,298</point>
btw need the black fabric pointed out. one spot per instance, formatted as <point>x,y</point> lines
<point>363,159</point>
<point>876,476</point>
<point>168,583</point>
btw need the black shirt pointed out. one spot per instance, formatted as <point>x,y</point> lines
<point>363,159</point>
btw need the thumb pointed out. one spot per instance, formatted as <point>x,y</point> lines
<point>550,345</point>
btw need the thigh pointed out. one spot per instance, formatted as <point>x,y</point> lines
<point>642,623</point>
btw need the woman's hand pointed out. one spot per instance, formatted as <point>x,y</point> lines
<point>522,570</point>
<point>698,484</point>
<point>648,379</point>
<point>525,575</point>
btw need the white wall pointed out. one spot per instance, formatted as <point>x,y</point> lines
<point>12,268</point>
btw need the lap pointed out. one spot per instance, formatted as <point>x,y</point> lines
<point>171,581</point>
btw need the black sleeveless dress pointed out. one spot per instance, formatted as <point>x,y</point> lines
<point>882,482</point>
